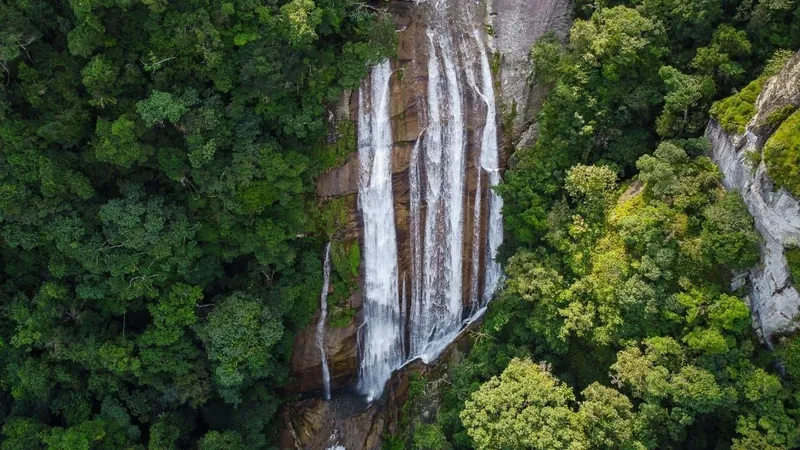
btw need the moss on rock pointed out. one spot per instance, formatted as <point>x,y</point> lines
<point>734,112</point>
<point>782,155</point>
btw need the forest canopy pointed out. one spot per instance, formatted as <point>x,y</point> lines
<point>160,242</point>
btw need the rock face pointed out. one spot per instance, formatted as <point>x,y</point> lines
<point>348,422</point>
<point>775,303</point>
<point>517,24</point>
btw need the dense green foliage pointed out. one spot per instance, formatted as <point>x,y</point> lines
<point>626,303</point>
<point>635,72</point>
<point>623,242</point>
<point>160,245</point>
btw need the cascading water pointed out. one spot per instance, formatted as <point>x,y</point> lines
<point>490,163</point>
<point>381,346</point>
<point>428,313</point>
<point>437,314</point>
<point>323,304</point>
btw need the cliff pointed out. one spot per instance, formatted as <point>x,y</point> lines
<point>509,28</point>
<point>774,300</point>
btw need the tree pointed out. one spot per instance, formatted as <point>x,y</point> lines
<point>719,59</point>
<point>158,241</point>
<point>688,96</point>
<point>238,337</point>
<point>607,419</point>
<point>229,440</point>
<point>161,106</point>
<point>526,407</point>
<point>728,233</point>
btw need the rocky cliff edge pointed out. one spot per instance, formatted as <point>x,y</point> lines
<point>774,300</point>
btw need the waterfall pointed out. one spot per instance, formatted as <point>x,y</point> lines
<point>490,163</point>
<point>428,313</point>
<point>323,305</point>
<point>437,314</point>
<point>381,351</point>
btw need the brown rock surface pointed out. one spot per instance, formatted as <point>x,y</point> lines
<point>349,422</point>
<point>341,350</point>
<point>339,181</point>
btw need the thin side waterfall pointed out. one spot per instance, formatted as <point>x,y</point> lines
<point>381,350</point>
<point>416,237</point>
<point>323,304</point>
<point>490,163</point>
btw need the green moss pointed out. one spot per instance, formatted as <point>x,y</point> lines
<point>341,317</point>
<point>354,259</point>
<point>793,260</point>
<point>334,154</point>
<point>782,155</point>
<point>335,215</point>
<point>508,121</point>
<point>779,115</point>
<point>496,63</point>
<point>340,314</point>
<point>346,259</point>
<point>734,112</point>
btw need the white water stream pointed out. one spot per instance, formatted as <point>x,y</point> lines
<point>323,304</point>
<point>381,345</point>
<point>458,71</point>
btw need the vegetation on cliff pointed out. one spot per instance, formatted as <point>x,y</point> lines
<point>782,155</point>
<point>159,244</point>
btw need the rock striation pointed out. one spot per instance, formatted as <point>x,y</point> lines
<point>774,301</point>
<point>516,25</point>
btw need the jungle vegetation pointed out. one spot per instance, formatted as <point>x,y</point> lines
<point>159,236</point>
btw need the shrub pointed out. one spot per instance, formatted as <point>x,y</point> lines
<point>793,260</point>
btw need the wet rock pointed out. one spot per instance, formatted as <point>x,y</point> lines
<point>516,24</point>
<point>348,421</point>
<point>341,349</point>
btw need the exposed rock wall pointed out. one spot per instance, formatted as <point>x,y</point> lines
<point>775,302</point>
<point>516,25</point>
<point>348,422</point>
